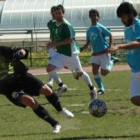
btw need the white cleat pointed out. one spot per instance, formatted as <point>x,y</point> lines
<point>57,128</point>
<point>93,94</point>
<point>67,113</point>
<point>62,89</point>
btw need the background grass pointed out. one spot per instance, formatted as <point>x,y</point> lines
<point>122,121</point>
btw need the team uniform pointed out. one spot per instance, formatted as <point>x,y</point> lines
<point>14,79</point>
<point>97,35</point>
<point>133,57</point>
<point>67,55</point>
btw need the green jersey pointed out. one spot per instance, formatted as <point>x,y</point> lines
<point>60,33</point>
<point>50,26</point>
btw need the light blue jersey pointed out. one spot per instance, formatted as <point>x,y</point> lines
<point>133,56</point>
<point>97,35</point>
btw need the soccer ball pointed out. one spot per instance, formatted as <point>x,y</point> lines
<point>97,108</point>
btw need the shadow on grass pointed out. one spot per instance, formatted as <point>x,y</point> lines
<point>99,137</point>
<point>74,138</point>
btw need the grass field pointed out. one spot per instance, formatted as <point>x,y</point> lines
<point>122,121</point>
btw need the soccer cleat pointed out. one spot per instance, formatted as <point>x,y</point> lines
<point>100,91</point>
<point>62,89</point>
<point>67,113</point>
<point>75,75</point>
<point>93,94</point>
<point>57,128</point>
<point>115,59</point>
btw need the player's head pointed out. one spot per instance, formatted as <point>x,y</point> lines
<point>127,13</point>
<point>59,13</point>
<point>94,15</point>
<point>53,12</point>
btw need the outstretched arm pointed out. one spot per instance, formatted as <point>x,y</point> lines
<point>13,53</point>
<point>127,46</point>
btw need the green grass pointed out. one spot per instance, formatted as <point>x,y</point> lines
<point>122,121</point>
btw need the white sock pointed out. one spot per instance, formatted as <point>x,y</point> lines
<point>54,75</point>
<point>86,78</point>
<point>50,81</point>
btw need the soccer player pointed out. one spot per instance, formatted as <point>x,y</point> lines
<point>52,52</point>
<point>127,13</point>
<point>97,35</point>
<point>67,51</point>
<point>19,86</point>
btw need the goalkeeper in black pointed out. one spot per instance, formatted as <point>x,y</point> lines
<point>19,86</point>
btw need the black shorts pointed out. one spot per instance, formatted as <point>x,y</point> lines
<point>29,84</point>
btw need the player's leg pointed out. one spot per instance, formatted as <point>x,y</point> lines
<point>107,62</point>
<point>73,63</point>
<point>41,112</point>
<point>35,87</point>
<point>50,82</point>
<point>95,70</point>
<point>56,63</point>
<point>135,88</point>
<point>97,78</point>
<point>22,100</point>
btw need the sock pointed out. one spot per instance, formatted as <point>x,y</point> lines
<point>54,100</point>
<point>43,114</point>
<point>86,78</point>
<point>110,65</point>
<point>50,81</point>
<point>98,80</point>
<point>54,75</point>
<point>60,85</point>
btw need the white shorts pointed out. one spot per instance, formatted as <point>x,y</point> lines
<point>103,60</point>
<point>135,84</point>
<point>60,61</point>
<point>52,52</point>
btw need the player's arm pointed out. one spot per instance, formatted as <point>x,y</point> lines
<point>69,37</point>
<point>110,40</point>
<point>64,42</point>
<point>85,46</point>
<point>127,46</point>
<point>133,44</point>
<point>87,42</point>
<point>107,32</point>
<point>13,53</point>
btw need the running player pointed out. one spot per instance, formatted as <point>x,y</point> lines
<point>19,86</point>
<point>67,51</point>
<point>127,13</point>
<point>52,52</point>
<point>97,35</point>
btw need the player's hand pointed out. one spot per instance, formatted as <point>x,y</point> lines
<point>51,45</point>
<point>113,49</point>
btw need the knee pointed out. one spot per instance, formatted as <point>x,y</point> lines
<point>79,74</point>
<point>48,69</point>
<point>104,72</point>
<point>136,100</point>
<point>29,101</point>
<point>46,90</point>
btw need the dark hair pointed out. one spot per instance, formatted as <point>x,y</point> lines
<point>94,11</point>
<point>53,8</point>
<point>126,8</point>
<point>60,7</point>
